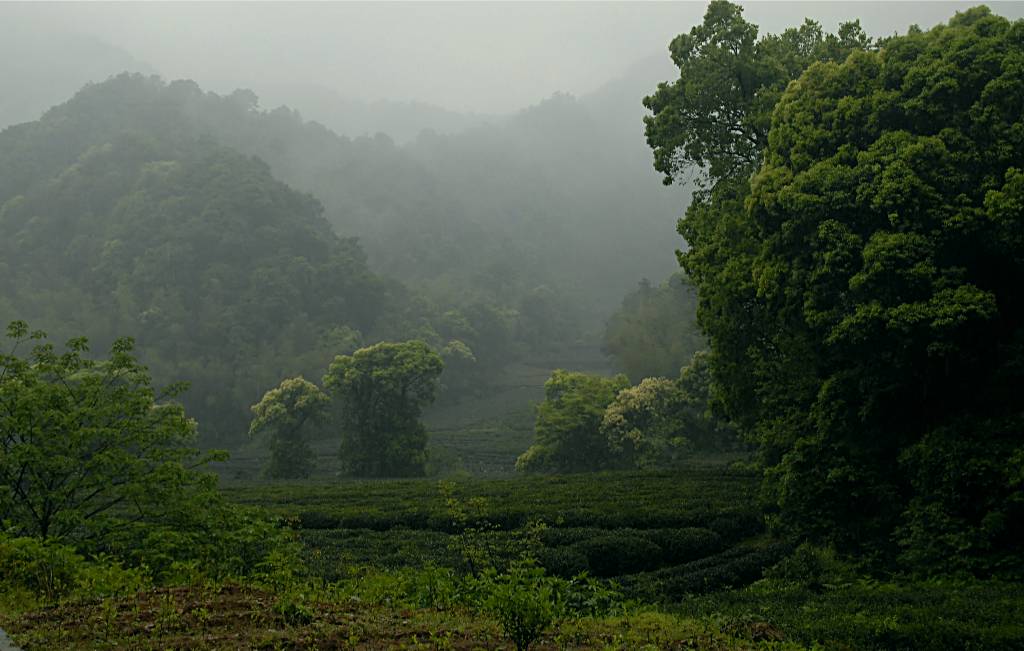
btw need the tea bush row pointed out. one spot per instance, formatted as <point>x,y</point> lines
<point>735,567</point>
<point>608,500</point>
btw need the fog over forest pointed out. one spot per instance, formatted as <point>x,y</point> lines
<point>512,325</point>
<point>547,95</point>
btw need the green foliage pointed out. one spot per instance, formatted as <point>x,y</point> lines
<point>522,602</point>
<point>382,390</point>
<point>654,332</point>
<point>645,424</point>
<point>703,423</point>
<point>880,258</point>
<point>116,216</point>
<point>735,567</point>
<point>88,446</point>
<point>205,538</point>
<point>568,434</point>
<point>706,496</point>
<point>460,365</point>
<point>285,412</point>
<point>717,115</point>
<point>813,568</point>
<point>875,615</point>
<point>94,458</point>
<point>52,571</point>
<point>861,289</point>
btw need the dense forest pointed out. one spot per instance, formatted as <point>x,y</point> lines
<point>805,434</point>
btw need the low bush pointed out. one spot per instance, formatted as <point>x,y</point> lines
<point>563,561</point>
<point>524,601</point>
<point>615,553</point>
<point>869,615</point>
<point>733,568</point>
<point>685,545</point>
<point>51,571</point>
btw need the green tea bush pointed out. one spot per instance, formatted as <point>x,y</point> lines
<point>218,539</point>
<point>685,545</point>
<point>585,596</point>
<point>41,567</point>
<point>696,497</point>
<point>615,553</point>
<point>524,601</point>
<point>814,568</point>
<point>736,567</point>
<point>294,607</point>
<point>869,615</point>
<point>737,525</point>
<point>563,561</point>
<point>435,587</point>
<point>564,536</point>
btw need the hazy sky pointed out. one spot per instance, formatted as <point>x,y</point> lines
<point>481,57</point>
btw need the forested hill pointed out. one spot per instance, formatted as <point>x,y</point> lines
<point>554,212</point>
<point>151,209</point>
<point>119,218</point>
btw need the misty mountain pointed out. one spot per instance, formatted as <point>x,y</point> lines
<point>119,218</point>
<point>137,208</point>
<point>351,117</point>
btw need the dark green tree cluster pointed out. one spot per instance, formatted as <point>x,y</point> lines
<point>378,393</point>
<point>654,332</point>
<point>135,208</point>
<point>226,277</point>
<point>287,413</point>
<point>567,435</point>
<point>589,422</point>
<point>381,391</point>
<point>94,457</point>
<point>858,247</point>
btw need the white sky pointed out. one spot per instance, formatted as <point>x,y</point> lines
<point>475,56</point>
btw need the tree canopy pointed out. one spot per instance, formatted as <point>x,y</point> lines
<point>381,391</point>
<point>567,434</point>
<point>715,118</point>
<point>286,413</point>
<point>861,289</point>
<point>85,445</point>
<point>654,332</point>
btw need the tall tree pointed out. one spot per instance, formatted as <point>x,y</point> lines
<point>861,292</point>
<point>713,122</point>
<point>654,332</point>
<point>86,446</point>
<point>382,390</point>
<point>645,424</point>
<point>567,434</point>
<point>286,413</point>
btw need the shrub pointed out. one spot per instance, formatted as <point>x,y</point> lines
<point>523,601</point>
<point>684,545</point>
<point>53,571</point>
<point>617,553</point>
<point>563,561</point>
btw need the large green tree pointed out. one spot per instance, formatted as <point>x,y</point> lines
<point>381,391</point>
<point>645,424</point>
<point>567,434</point>
<point>654,332</point>
<point>287,413</point>
<point>861,289</point>
<point>88,447</point>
